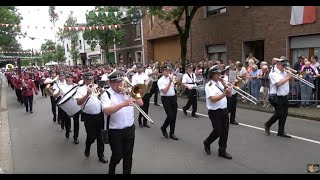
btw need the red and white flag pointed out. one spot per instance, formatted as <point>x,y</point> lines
<point>303,15</point>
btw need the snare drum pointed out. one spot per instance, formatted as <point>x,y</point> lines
<point>68,103</point>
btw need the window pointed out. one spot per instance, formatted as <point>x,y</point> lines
<point>138,31</point>
<point>299,52</point>
<point>217,52</point>
<point>80,44</point>
<point>214,10</point>
<point>138,56</point>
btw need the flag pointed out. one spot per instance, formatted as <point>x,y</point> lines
<point>303,15</point>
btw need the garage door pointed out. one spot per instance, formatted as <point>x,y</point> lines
<point>166,49</point>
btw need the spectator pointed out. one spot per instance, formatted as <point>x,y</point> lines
<point>254,81</point>
<point>264,80</point>
<point>307,73</point>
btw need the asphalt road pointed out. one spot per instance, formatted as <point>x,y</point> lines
<point>39,145</point>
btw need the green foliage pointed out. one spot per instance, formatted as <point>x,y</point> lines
<point>52,14</point>
<point>104,38</point>
<point>9,15</point>
<point>58,55</point>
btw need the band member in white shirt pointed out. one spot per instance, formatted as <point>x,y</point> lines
<point>61,81</point>
<point>64,116</point>
<point>121,123</point>
<point>216,102</point>
<point>153,73</point>
<point>189,81</point>
<point>140,78</point>
<point>169,101</point>
<point>232,101</point>
<point>53,100</point>
<point>91,115</point>
<point>279,89</point>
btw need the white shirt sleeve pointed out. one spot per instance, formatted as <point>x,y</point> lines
<point>161,84</point>
<point>133,80</point>
<point>274,78</point>
<point>105,100</point>
<point>80,93</point>
<point>184,78</point>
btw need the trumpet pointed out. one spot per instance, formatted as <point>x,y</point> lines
<point>242,93</point>
<point>174,80</point>
<point>97,91</point>
<point>298,77</point>
<point>135,92</point>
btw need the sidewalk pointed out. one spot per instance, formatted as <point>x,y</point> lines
<point>6,162</point>
<point>312,113</point>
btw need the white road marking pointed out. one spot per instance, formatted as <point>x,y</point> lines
<point>255,127</point>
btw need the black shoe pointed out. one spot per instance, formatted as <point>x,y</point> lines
<point>67,134</point>
<point>141,125</point>
<point>184,111</point>
<point>234,122</point>
<point>172,136</point>
<point>54,119</point>
<point>284,135</point>
<point>31,112</point>
<point>146,125</point>
<point>59,122</point>
<point>87,152</point>
<point>76,141</point>
<point>194,115</point>
<point>164,132</point>
<point>103,160</point>
<point>156,104</point>
<point>27,110</point>
<point>225,155</point>
<point>62,127</point>
<point>267,129</point>
<point>207,148</point>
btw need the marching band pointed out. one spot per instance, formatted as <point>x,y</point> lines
<point>104,98</point>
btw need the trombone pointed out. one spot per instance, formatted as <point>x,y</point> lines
<point>136,92</point>
<point>297,77</point>
<point>242,93</point>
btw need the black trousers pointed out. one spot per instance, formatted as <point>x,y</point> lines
<point>232,107</point>
<point>154,90</point>
<point>145,108</point>
<point>281,113</point>
<point>93,125</point>
<point>42,87</point>
<point>60,119</point>
<point>121,144</point>
<point>192,100</point>
<point>67,123</point>
<point>220,124</point>
<point>19,96</point>
<point>171,107</point>
<point>53,108</point>
<point>317,82</point>
<point>28,101</point>
<point>37,83</point>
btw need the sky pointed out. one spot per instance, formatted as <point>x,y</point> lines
<point>39,16</point>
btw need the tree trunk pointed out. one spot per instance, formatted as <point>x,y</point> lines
<point>183,44</point>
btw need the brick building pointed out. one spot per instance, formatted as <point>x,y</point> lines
<point>231,32</point>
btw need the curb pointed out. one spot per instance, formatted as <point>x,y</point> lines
<point>6,161</point>
<point>269,110</point>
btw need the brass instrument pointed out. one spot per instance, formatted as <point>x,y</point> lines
<point>148,85</point>
<point>299,77</point>
<point>242,92</point>
<point>135,92</point>
<point>49,88</point>
<point>155,73</point>
<point>9,66</point>
<point>174,80</point>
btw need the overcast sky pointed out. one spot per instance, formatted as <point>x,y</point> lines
<point>39,16</point>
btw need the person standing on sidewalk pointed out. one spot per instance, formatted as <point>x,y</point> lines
<point>216,102</point>
<point>279,89</point>
<point>189,81</point>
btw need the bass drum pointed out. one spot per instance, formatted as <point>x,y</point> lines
<point>68,103</point>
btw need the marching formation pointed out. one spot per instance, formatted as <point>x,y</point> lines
<point>104,97</point>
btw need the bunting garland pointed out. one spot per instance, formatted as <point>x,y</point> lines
<point>67,28</point>
<point>27,52</point>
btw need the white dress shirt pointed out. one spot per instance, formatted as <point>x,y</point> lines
<point>212,90</point>
<point>93,105</point>
<point>162,83</point>
<point>187,80</point>
<point>275,77</point>
<point>139,78</point>
<point>121,119</point>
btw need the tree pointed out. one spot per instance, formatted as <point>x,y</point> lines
<point>48,56</point>
<point>71,35</point>
<point>9,15</point>
<point>105,37</point>
<point>60,54</point>
<point>176,15</point>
